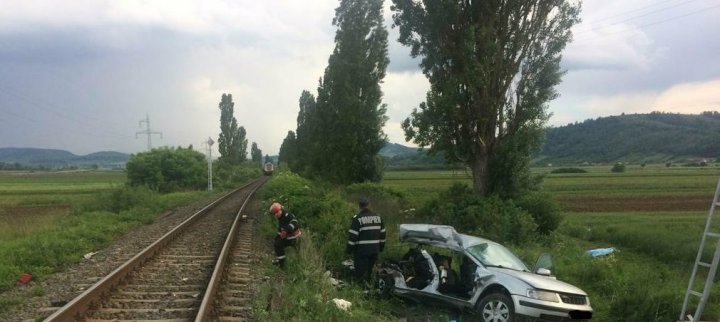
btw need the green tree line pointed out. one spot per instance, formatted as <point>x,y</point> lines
<point>653,137</point>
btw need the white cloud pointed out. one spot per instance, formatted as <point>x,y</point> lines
<point>690,98</point>
<point>403,92</point>
<point>686,98</point>
<point>613,47</point>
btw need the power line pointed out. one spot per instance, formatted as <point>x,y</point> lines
<point>55,110</point>
<point>597,21</point>
<point>147,131</point>
<point>650,24</point>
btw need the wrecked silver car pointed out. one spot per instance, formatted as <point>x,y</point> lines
<point>474,273</point>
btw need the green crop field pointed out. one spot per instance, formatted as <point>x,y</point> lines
<point>69,214</point>
<point>653,216</point>
<point>62,187</point>
<point>32,202</point>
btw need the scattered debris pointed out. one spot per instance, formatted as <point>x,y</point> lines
<point>25,278</point>
<point>335,282</point>
<point>342,304</point>
<point>89,255</point>
<point>601,251</point>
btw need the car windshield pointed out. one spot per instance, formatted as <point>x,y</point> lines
<point>495,255</point>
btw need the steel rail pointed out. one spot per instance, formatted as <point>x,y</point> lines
<point>208,301</point>
<point>77,307</point>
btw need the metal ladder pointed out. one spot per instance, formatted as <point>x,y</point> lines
<point>712,266</point>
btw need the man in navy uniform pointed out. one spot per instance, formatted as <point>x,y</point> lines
<point>366,238</point>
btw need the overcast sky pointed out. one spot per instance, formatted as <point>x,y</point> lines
<point>80,75</point>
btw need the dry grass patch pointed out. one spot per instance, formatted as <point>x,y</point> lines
<point>21,221</point>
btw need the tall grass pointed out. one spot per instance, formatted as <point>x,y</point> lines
<point>670,237</point>
<point>302,292</point>
<point>63,240</point>
<point>15,225</point>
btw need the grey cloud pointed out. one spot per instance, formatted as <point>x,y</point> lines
<point>400,61</point>
<point>46,47</point>
<point>575,64</point>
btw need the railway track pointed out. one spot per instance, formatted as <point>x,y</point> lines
<point>198,271</point>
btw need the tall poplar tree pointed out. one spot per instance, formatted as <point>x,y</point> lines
<point>306,134</point>
<point>288,151</point>
<point>349,114</point>
<point>255,153</point>
<point>232,142</point>
<point>492,66</point>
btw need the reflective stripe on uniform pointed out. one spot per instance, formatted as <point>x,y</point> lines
<point>371,228</point>
<point>376,241</point>
<point>353,231</point>
<point>351,243</point>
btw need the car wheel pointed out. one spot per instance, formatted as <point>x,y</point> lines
<point>385,283</point>
<point>496,307</point>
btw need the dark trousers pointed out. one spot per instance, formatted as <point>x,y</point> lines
<point>363,266</point>
<point>280,245</point>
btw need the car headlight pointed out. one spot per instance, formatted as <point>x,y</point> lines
<point>543,295</point>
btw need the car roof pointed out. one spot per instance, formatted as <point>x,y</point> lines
<point>438,235</point>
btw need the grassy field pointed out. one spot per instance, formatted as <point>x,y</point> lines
<point>33,202</point>
<point>68,214</point>
<point>62,187</point>
<point>653,216</point>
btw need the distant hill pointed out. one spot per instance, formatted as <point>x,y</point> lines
<point>54,159</point>
<point>398,156</point>
<point>635,138</point>
<point>394,149</point>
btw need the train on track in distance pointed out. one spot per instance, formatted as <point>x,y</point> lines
<point>268,168</point>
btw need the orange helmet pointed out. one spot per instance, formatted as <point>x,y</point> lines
<point>276,208</point>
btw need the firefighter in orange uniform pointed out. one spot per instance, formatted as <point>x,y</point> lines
<point>287,233</point>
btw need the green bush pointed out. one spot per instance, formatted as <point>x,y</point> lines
<point>568,170</point>
<point>228,176</point>
<point>168,169</point>
<point>618,167</point>
<point>490,217</point>
<point>122,198</point>
<point>544,211</point>
<point>317,208</point>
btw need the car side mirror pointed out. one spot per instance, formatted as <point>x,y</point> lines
<point>543,272</point>
<point>544,262</point>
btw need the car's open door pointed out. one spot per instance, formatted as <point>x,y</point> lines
<point>544,265</point>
